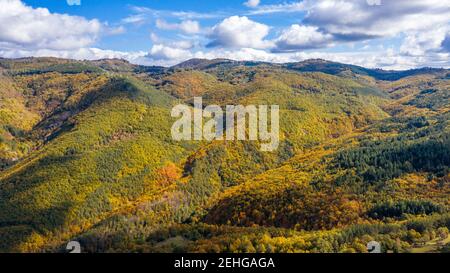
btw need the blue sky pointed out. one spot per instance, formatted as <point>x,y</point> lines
<point>389,34</point>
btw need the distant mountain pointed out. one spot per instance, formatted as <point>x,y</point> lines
<point>312,65</point>
<point>86,154</point>
<point>334,68</point>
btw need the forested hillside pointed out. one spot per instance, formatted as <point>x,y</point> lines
<point>86,154</point>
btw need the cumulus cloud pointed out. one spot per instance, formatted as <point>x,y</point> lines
<point>359,20</point>
<point>298,37</point>
<point>252,3</point>
<point>424,24</point>
<point>420,27</point>
<point>168,55</point>
<point>240,32</point>
<point>385,58</point>
<point>184,44</point>
<point>187,26</point>
<point>244,54</point>
<point>353,20</point>
<point>78,54</point>
<point>164,52</point>
<point>419,43</point>
<point>25,27</point>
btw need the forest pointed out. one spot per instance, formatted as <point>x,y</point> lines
<point>86,154</point>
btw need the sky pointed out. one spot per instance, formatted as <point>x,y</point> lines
<point>388,34</point>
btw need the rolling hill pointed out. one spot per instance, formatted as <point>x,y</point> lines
<point>86,154</point>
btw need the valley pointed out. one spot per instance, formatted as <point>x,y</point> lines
<point>86,154</point>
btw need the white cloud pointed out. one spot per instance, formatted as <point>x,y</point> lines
<point>154,37</point>
<point>164,52</point>
<point>143,15</point>
<point>168,55</point>
<point>25,27</point>
<point>423,26</point>
<point>363,19</point>
<point>358,20</point>
<point>298,37</point>
<point>383,58</point>
<point>419,43</point>
<point>244,54</point>
<point>252,3</point>
<point>187,26</point>
<point>183,44</point>
<point>136,19</point>
<point>115,30</point>
<point>278,8</point>
<point>237,32</point>
<point>78,54</point>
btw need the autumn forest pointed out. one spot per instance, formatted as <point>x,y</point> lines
<point>86,154</point>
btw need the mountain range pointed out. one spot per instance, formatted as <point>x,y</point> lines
<point>86,154</point>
